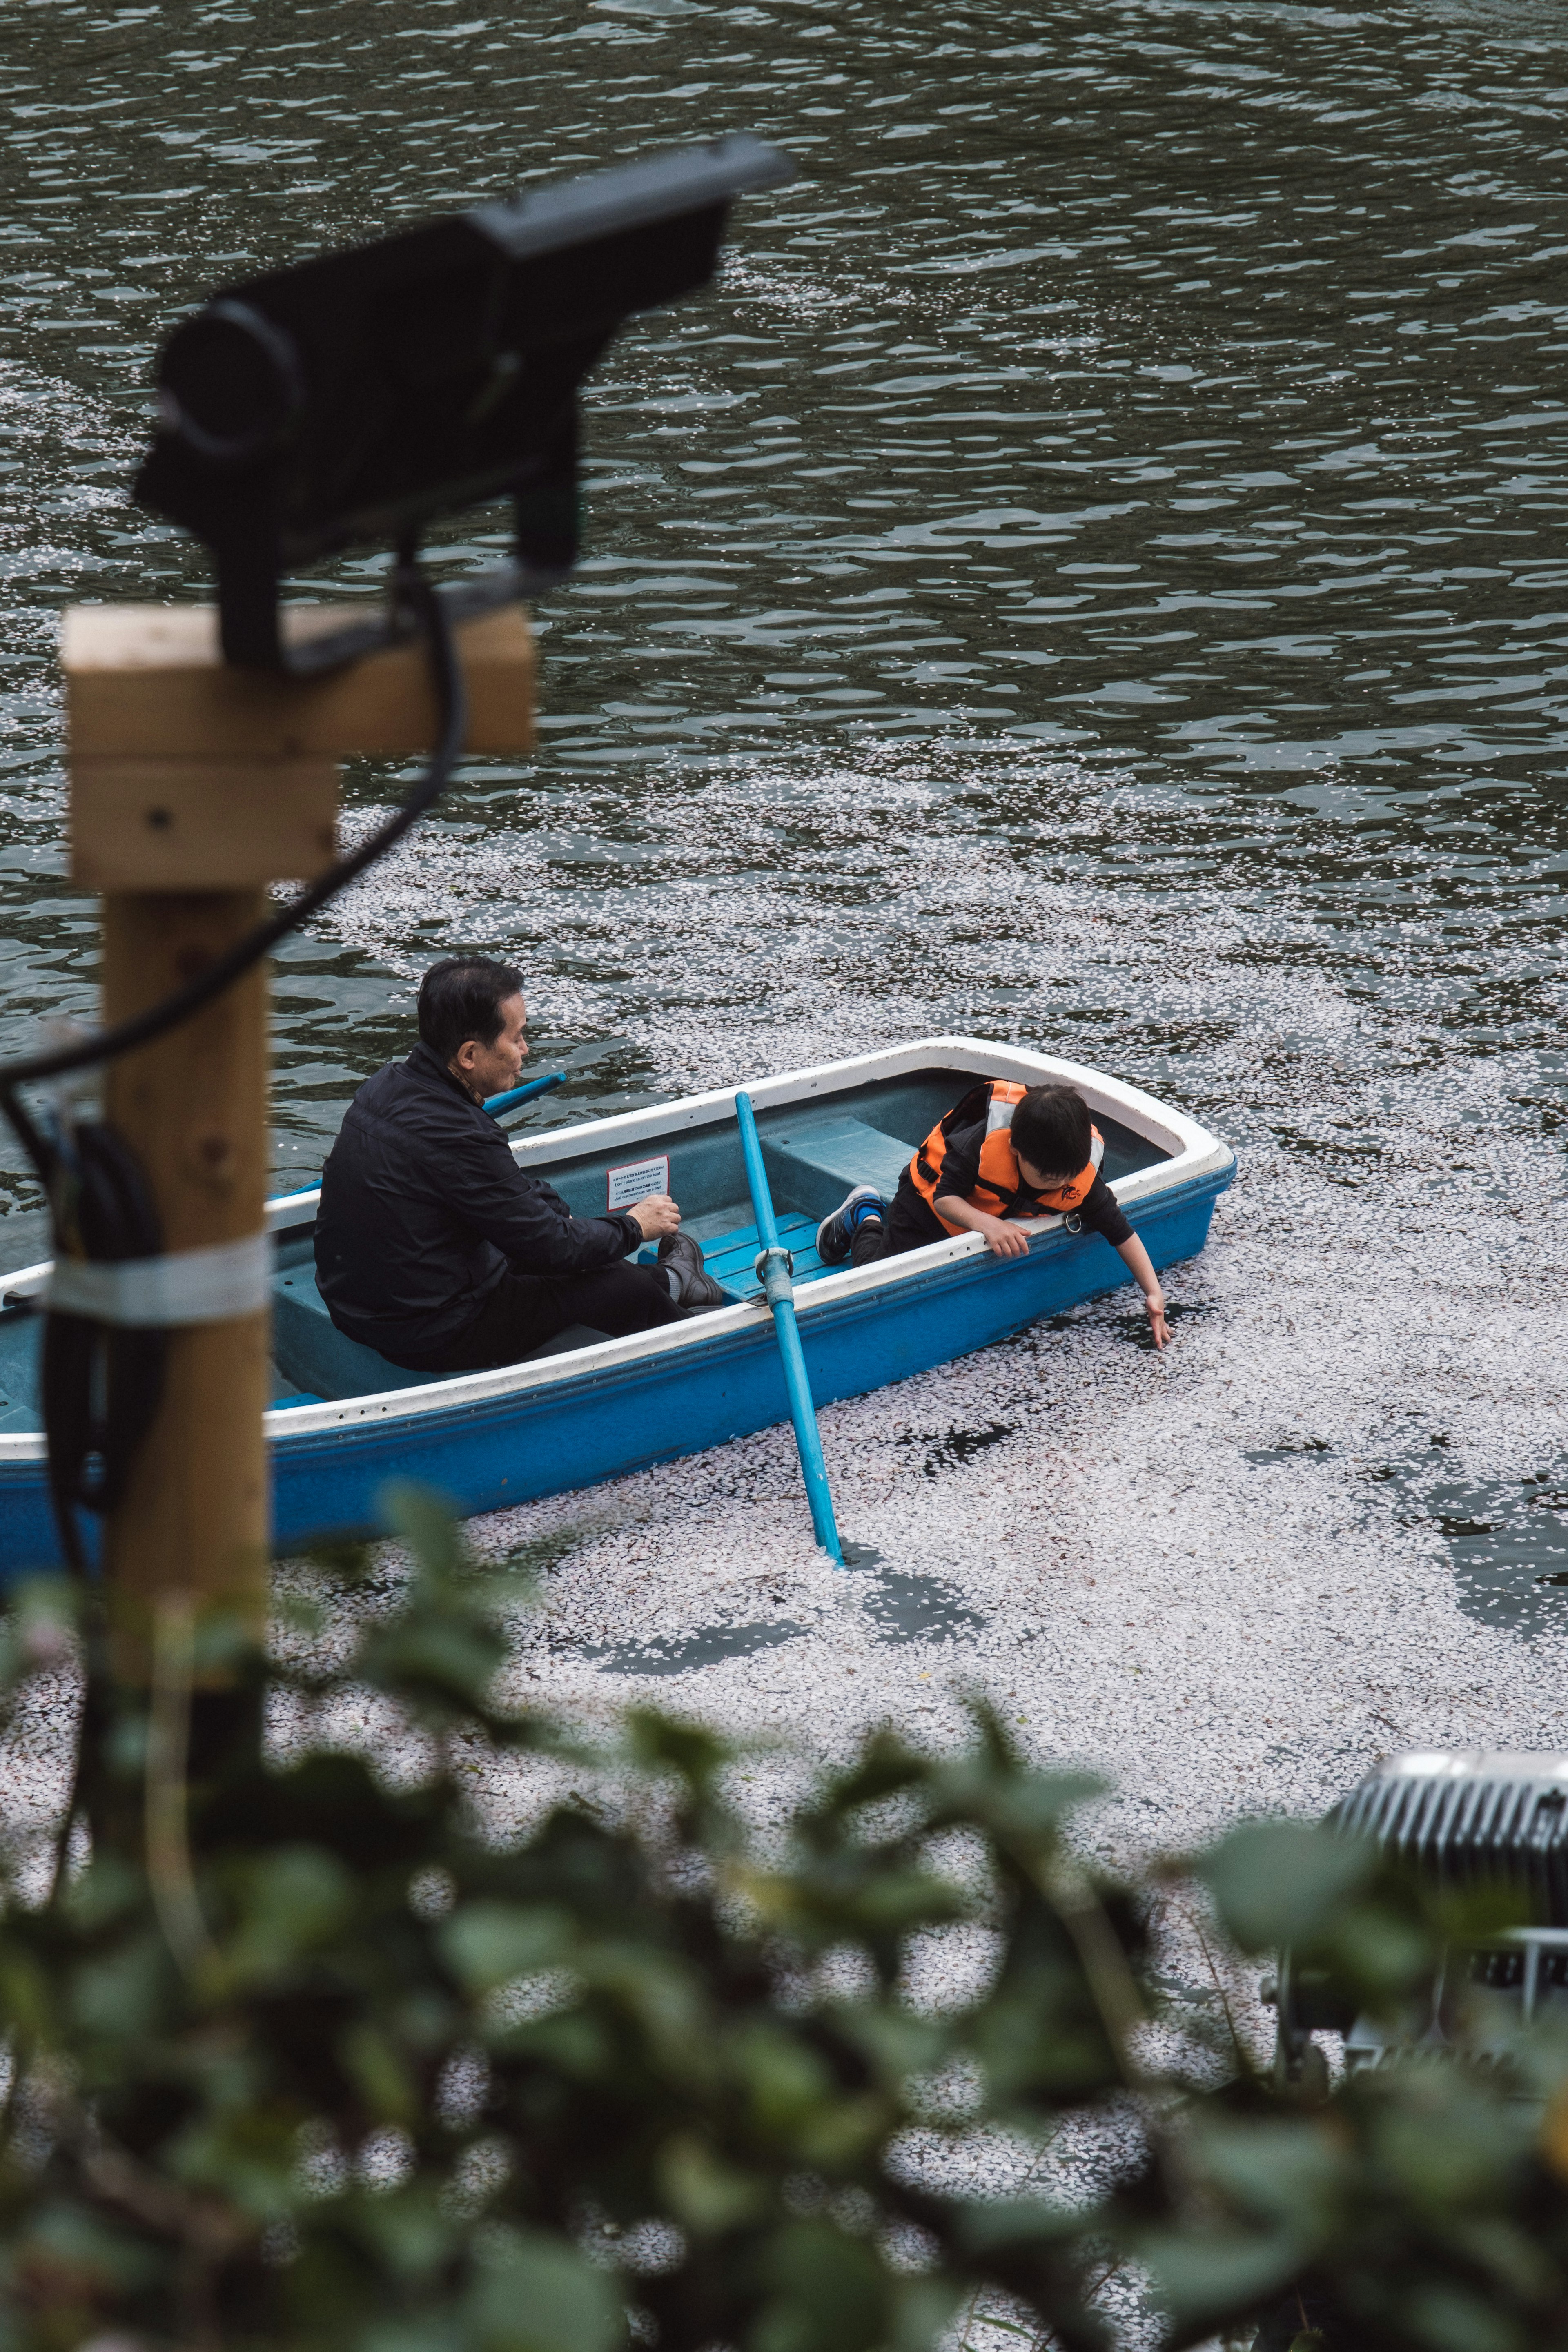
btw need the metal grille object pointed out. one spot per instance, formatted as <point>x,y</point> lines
<point>1471,1820</point>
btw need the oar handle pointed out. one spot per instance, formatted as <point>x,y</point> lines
<point>497,1104</point>
<point>775,1267</point>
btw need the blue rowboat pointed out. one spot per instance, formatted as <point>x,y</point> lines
<point>586,1408</point>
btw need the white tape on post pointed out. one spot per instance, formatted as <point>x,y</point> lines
<point>200,1286</point>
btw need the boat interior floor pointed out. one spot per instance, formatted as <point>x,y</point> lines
<point>812,1170</point>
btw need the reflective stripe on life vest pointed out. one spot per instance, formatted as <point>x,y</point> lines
<point>1000,1189</point>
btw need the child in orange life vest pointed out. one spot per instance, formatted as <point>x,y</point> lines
<point>1005,1152</point>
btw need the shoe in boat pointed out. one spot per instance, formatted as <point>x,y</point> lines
<point>692,1286</point>
<point>835,1234</point>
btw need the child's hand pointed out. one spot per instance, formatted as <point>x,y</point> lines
<point>1001,1239</point>
<point>1135,1258</point>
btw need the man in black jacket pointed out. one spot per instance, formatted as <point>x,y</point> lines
<point>434,1248</point>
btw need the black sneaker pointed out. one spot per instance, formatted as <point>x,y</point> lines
<point>694,1287</point>
<point>835,1235</point>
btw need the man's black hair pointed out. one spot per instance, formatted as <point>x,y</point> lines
<point>1051,1131</point>
<point>461,997</point>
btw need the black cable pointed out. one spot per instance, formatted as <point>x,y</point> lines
<point>100,1383</point>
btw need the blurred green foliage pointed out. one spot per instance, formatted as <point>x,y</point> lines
<point>303,2051</point>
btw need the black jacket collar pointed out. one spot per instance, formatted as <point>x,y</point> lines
<point>422,1063</point>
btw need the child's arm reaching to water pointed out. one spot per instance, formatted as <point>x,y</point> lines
<point>1006,1240</point>
<point>1135,1257</point>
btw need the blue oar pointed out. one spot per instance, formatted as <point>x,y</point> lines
<point>498,1103</point>
<point>776,1270</point>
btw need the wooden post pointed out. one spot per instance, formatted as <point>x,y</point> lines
<point>193,1108</point>
<point>193,786</point>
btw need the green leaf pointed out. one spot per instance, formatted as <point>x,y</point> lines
<point>785,2082</point>
<point>661,1991</point>
<point>244,2153</point>
<point>924,2311</point>
<point>487,1944</point>
<point>540,2295</point>
<point>428,1524</point>
<point>1448,2319</point>
<point>410,2236</point>
<point>828,2293</point>
<point>1283,2170</point>
<point>128,1993</point>
<point>100,2250</point>
<point>1198,2273</point>
<point>294,1899</point>
<point>897,2043</point>
<point>884,1768</point>
<point>1445,2148</point>
<point>37,1632</point>
<point>1384,1954</point>
<point>706,2194</point>
<point>1016,2222</point>
<point>373,2062</point>
<point>1008,1799</point>
<point>430,2332</point>
<point>1280,1883</point>
<point>659,1743</point>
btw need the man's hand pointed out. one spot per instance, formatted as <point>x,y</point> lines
<point>1159,1330</point>
<point>655,1216</point>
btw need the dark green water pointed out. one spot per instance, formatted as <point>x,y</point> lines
<point>1093,573</point>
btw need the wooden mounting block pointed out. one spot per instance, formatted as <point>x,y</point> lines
<point>189,775</point>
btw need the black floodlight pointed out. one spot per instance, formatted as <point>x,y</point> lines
<point>359,396</point>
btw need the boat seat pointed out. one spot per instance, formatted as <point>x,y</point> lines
<point>309,1349</point>
<point>814,1160</point>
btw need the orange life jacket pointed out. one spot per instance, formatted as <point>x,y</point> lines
<point>1000,1189</point>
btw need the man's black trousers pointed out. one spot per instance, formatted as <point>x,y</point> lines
<point>524,1310</point>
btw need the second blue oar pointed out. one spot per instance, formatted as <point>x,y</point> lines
<point>777,1269</point>
<point>498,1104</point>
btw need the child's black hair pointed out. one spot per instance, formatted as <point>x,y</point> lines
<point>1051,1131</point>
